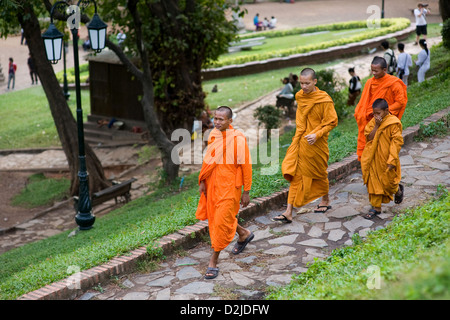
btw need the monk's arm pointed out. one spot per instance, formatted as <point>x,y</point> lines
<point>330,121</point>
<point>395,146</point>
<point>247,177</point>
<point>247,170</point>
<point>400,100</point>
<point>371,135</point>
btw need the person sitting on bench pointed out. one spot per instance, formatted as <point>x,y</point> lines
<point>287,91</point>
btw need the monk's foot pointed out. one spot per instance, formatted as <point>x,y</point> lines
<point>244,236</point>
<point>323,207</point>
<point>372,214</point>
<point>240,245</point>
<point>283,218</point>
<point>399,195</point>
<point>211,273</point>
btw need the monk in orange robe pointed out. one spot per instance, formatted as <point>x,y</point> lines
<point>381,86</point>
<point>380,162</point>
<point>306,161</point>
<point>226,168</point>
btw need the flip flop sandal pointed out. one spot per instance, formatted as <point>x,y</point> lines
<point>372,214</point>
<point>322,211</point>
<point>240,246</point>
<point>399,199</point>
<point>213,271</point>
<point>282,220</point>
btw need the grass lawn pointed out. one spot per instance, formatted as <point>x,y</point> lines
<point>27,120</point>
<point>235,91</point>
<point>280,43</point>
<point>411,255</point>
<point>148,218</point>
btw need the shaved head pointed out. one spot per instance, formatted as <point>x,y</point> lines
<point>380,104</point>
<point>308,72</point>
<point>226,110</point>
<point>379,61</point>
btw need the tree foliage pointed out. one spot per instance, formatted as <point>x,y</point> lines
<point>180,37</point>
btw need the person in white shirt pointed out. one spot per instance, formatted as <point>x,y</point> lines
<point>273,22</point>
<point>421,23</point>
<point>389,56</point>
<point>423,60</point>
<point>287,91</point>
<point>404,61</point>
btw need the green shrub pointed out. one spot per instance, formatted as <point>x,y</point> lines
<point>269,115</point>
<point>327,82</point>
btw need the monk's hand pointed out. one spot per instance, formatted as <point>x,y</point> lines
<point>378,120</point>
<point>245,199</point>
<point>311,138</point>
<point>390,167</point>
<point>202,188</point>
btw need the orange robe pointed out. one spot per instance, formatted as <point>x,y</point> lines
<point>382,150</point>
<point>305,165</point>
<point>225,169</point>
<point>390,88</point>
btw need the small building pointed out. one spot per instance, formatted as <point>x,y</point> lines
<point>114,93</point>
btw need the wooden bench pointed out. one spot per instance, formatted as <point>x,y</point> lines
<point>117,190</point>
<point>245,44</point>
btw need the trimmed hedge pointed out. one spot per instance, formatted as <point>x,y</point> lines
<point>387,26</point>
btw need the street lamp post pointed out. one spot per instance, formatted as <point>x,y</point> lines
<point>53,40</point>
<point>65,88</point>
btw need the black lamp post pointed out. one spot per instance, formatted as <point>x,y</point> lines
<point>53,40</point>
<point>65,88</point>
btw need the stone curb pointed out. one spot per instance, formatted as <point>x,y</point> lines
<point>187,237</point>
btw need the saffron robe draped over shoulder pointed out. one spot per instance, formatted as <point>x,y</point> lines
<point>305,166</point>
<point>381,151</point>
<point>390,88</point>
<point>226,168</point>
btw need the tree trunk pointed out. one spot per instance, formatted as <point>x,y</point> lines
<point>165,146</point>
<point>444,9</point>
<point>64,121</point>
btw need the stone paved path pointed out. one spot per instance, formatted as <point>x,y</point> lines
<point>281,250</point>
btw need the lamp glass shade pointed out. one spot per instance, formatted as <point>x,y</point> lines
<point>53,40</point>
<point>97,33</point>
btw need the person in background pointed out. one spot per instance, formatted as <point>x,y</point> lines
<point>257,23</point>
<point>421,23</point>
<point>32,68</point>
<point>423,60</point>
<point>354,89</point>
<point>265,23</point>
<point>12,67</point>
<point>389,56</point>
<point>287,91</point>
<point>403,63</point>
<point>273,22</point>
